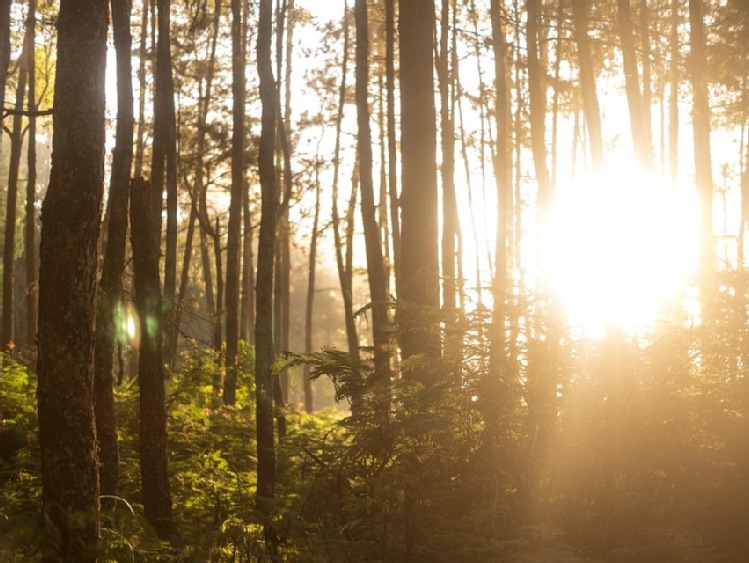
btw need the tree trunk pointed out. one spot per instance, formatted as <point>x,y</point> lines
<point>165,156</point>
<point>309,310</point>
<point>701,125</point>
<point>7,332</point>
<point>419,235</point>
<point>496,393</point>
<point>266,455</point>
<point>673,99</point>
<point>640,134</point>
<point>588,84</point>
<point>247,319</point>
<point>392,141</point>
<point>449,204</point>
<point>145,241</point>
<point>238,188</point>
<point>110,286</point>
<point>142,89</point>
<point>375,266</point>
<point>32,267</point>
<point>67,285</point>
<point>344,266</point>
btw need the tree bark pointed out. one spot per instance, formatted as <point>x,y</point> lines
<point>266,455</point>
<point>238,188</point>
<point>7,328</point>
<point>344,266</point>
<point>309,310</point>
<point>419,235</point>
<point>145,241</point>
<point>375,266</point>
<point>110,286</point>
<point>32,267</point>
<point>67,285</point>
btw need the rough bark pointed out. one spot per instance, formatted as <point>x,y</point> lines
<point>67,286</point>
<point>145,240</point>
<point>110,286</point>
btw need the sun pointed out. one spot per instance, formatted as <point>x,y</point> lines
<point>621,245</point>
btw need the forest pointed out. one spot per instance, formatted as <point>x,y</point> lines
<point>374,281</point>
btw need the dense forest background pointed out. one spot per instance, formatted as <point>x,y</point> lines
<point>374,280</point>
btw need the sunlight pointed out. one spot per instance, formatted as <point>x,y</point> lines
<point>622,244</point>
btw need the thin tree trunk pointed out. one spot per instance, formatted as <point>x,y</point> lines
<point>110,286</point>
<point>497,394</point>
<point>266,456</point>
<point>247,319</point>
<point>145,241</point>
<point>142,89</point>
<point>588,83</point>
<point>673,100</point>
<point>67,286</point>
<point>640,135</point>
<point>344,267</point>
<point>392,150</point>
<point>701,125</point>
<point>7,332</point>
<point>309,310</point>
<point>449,204</point>
<point>32,268</point>
<point>375,266</point>
<point>238,189</point>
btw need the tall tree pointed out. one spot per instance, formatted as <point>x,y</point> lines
<point>375,266</point>
<point>701,126</point>
<point>419,268</point>
<point>588,83</point>
<point>165,160</point>
<point>67,285</point>
<point>145,237</point>
<point>110,286</point>
<point>345,272</point>
<point>32,268</point>
<point>266,453</point>
<point>238,188</point>
<point>639,125</point>
<point>7,332</point>
<point>450,224</point>
<point>311,279</point>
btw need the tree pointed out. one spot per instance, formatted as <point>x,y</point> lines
<point>588,83</point>
<point>238,188</point>
<point>419,268</point>
<point>266,453</point>
<point>701,126</point>
<point>375,266</point>
<point>7,336</point>
<point>32,268</point>
<point>67,285</point>
<point>110,286</point>
<point>639,124</point>
<point>144,238</point>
